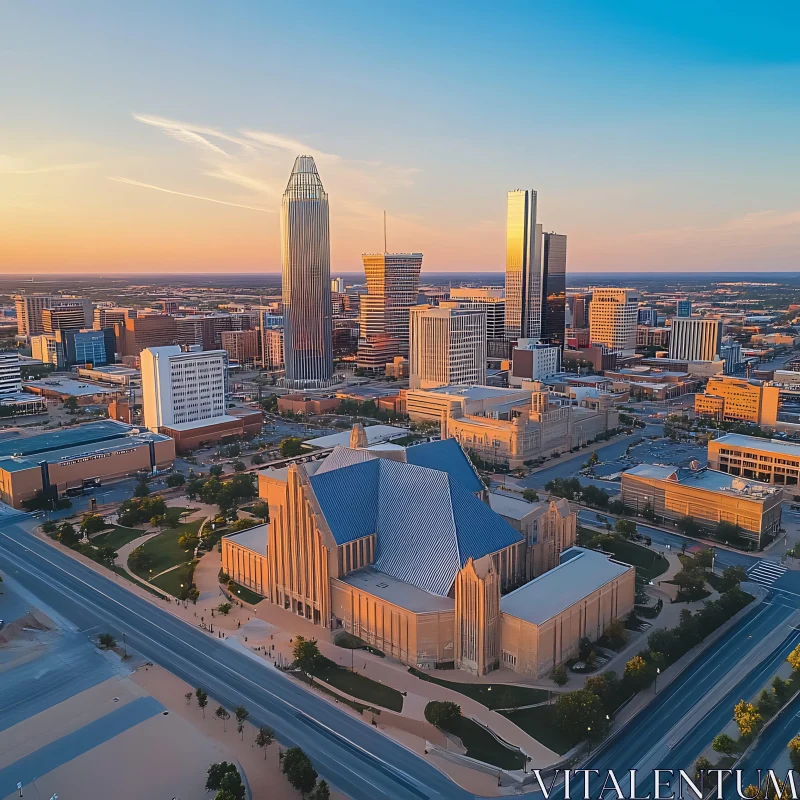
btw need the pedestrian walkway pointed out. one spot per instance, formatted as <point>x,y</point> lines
<point>765,572</point>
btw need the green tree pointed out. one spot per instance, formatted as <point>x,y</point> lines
<point>216,772</point>
<point>223,714</point>
<point>106,641</point>
<point>291,446</point>
<point>71,404</point>
<point>638,673</point>
<point>139,560</point>
<point>581,715</point>
<point>141,489</point>
<point>530,496</point>
<point>305,651</point>
<point>781,688</point>
<point>92,523</point>
<point>559,675</point>
<point>701,768</point>
<point>299,770</point>
<point>728,532</point>
<point>688,527</point>
<point>443,714</point>
<point>202,700</point>
<point>188,541</point>
<point>794,753</point>
<point>215,471</point>
<point>321,791</point>
<point>625,527</point>
<point>732,577</point>
<point>48,527</point>
<point>725,744</point>
<point>257,459</point>
<point>175,479</point>
<point>224,609</point>
<point>67,535</point>
<point>615,634</point>
<point>241,717</point>
<point>242,524</point>
<point>231,786</point>
<point>264,739</point>
<point>238,466</point>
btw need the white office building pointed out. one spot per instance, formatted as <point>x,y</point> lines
<point>613,316</point>
<point>448,346</point>
<point>695,339</point>
<point>10,376</point>
<point>179,387</point>
<point>533,361</point>
<point>489,300</point>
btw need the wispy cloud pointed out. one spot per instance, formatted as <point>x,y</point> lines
<point>130,182</point>
<point>198,135</point>
<point>13,166</point>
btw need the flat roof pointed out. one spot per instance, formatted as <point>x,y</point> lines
<point>111,369</point>
<point>201,423</point>
<point>254,538</point>
<point>70,386</point>
<point>580,573</point>
<point>756,443</point>
<point>397,592</point>
<point>512,507</point>
<point>472,392</point>
<point>709,479</point>
<point>375,435</point>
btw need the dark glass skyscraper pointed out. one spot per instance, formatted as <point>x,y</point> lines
<point>306,278</point>
<point>554,287</point>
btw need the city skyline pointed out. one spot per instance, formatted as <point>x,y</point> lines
<point>667,142</point>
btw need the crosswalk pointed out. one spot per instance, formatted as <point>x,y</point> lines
<point>765,572</point>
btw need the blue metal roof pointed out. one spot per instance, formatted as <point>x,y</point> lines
<point>427,523</point>
<point>446,455</point>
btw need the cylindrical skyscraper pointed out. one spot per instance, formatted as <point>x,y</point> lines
<point>306,278</point>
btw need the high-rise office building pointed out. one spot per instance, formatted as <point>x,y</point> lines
<point>337,285</point>
<point>554,288</point>
<point>392,288</point>
<point>181,388</point>
<point>448,346</point>
<point>29,312</point>
<point>487,299</point>
<point>684,308</point>
<point>523,267</point>
<point>695,339</point>
<point>66,315</point>
<point>648,316</point>
<point>612,319</point>
<point>10,374</point>
<point>241,346</point>
<point>580,311</point>
<point>306,277</point>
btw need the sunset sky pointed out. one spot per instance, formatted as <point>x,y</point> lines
<point>158,137</point>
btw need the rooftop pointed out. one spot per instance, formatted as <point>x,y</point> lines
<point>580,573</point>
<point>707,479</point>
<point>512,507</point>
<point>70,387</point>
<point>254,538</point>
<point>399,593</point>
<point>375,435</point>
<point>756,443</point>
<point>473,392</point>
<point>202,423</point>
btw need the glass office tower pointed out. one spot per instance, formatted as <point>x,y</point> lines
<point>554,287</point>
<point>523,267</point>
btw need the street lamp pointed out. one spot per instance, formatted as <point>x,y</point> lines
<point>658,672</point>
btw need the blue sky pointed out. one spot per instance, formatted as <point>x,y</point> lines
<point>159,136</point>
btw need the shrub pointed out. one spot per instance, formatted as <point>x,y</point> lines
<point>559,675</point>
<point>443,714</point>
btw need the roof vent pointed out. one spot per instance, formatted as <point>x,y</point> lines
<point>694,464</point>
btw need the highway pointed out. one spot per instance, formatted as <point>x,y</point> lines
<point>360,761</point>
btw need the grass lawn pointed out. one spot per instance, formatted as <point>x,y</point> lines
<point>350,642</point>
<point>495,695</point>
<point>649,564</point>
<point>117,537</point>
<point>243,593</point>
<point>357,685</point>
<point>164,549</point>
<point>171,581</point>
<point>540,723</point>
<point>482,746</point>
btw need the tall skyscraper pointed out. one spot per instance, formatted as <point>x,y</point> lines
<point>613,315</point>
<point>448,346</point>
<point>523,267</point>
<point>29,312</point>
<point>684,308</point>
<point>306,277</point>
<point>554,287</point>
<point>392,288</point>
<point>580,311</point>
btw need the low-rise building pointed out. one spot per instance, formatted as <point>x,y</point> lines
<point>85,392</point>
<point>707,496</point>
<point>306,404</point>
<point>237,423</point>
<point>767,460</point>
<point>55,461</point>
<point>244,557</point>
<point>729,399</point>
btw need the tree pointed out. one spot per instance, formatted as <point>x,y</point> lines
<point>257,459</point>
<point>688,527</point>
<point>559,675</point>
<point>260,510</point>
<point>704,559</point>
<point>291,446</point>
<point>264,739</point>
<point>580,714</point>
<point>321,791</point>
<point>241,717</point>
<point>747,717</point>
<point>139,559</point>
<point>781,688</point>
<point>175,479</point>
<point>725,744</point>
<point>794,753</point>
<point>231,786</point>
<point>593,496</point>
<point>216,772</point>
<point>215,471</point>
<point>67,535</point>
<point>615,634</point>
<point>92,523</point>
<point>48,527</point>
<point>443,714</point>
<point>172,517</point>
<point>141,490</point>
<point>794,659</point>
<point>242,524</point>
<point>305,652</point>
<point>202,700</point>
<point>224,609</point>
<point>106,641</point>
<point>188,541</point>
<point>530,496</point>
<point>71,404</point>
<point>732,577</point>
<point>223,714</point>
<point>626,528</point>
<point>157,520</point>
<point>701,768</point>
<point>298,769</point>
<point>637,673</point>
<point>727,531</point>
